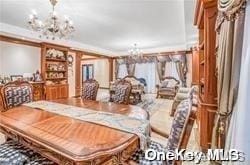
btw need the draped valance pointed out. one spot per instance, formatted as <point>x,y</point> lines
<point>172,58</point>
<point>229,10</point>
<point>129,60</point>
<point>230,6</point>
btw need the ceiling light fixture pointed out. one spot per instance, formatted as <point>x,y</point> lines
<point>135,53</point>
<point>52,26</point>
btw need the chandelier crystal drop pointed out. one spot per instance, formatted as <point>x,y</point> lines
<point>135,53</point>
<point>52,27</point>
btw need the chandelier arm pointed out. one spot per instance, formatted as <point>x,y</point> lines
<point>52,25</point>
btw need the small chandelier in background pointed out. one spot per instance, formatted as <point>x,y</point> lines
<point>52,26</point>
<point>135,53</point>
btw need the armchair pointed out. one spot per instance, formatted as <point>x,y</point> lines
<point>168,87</point>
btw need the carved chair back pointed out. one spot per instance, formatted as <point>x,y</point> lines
<point>16,93</point>
<point>121,92</point>
<point>132,79</point>
<point>170,81</point>
<point>90,89</point>
<point>181,126</point>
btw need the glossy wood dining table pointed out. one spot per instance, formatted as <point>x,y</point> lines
<point>65,140</point>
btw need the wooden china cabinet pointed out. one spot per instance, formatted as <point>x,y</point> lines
<point>205,19</point>
<point>195,65</point>
<point>55,71</point>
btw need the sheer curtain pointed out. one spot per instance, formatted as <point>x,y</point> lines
<point>238,136</point>
<point>148,72</point>
<point>170,70</point>
<point>122,71</point>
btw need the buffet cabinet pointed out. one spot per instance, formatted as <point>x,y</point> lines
<point>38,90</point>
<point>57,91</point>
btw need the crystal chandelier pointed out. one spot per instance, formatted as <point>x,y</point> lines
<point>135,53</point>
<point>52,26</point>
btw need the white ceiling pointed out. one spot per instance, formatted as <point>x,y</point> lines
<point>113,25</point>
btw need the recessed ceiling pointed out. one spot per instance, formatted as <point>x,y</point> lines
<point>115,25</point>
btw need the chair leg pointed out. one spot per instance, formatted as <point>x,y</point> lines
<point>157,96</point>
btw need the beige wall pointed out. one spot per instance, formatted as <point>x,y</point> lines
<point>16,59</point>
<point>101,71</point>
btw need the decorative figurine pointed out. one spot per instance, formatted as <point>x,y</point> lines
<point>37,76</point>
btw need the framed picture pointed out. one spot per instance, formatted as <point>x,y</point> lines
<point>87,72</point>
<point>16,77</point>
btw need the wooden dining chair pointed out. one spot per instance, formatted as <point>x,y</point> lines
<point>16,93</point>
<point>121,92</point>
<point>178,138</point>
<point>90,89</point>
<point>14,153</point>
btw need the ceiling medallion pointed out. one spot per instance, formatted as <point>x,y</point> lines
<point>52,27</point>
<point>135,53</point>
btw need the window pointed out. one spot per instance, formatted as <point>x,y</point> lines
<point>87,72</point>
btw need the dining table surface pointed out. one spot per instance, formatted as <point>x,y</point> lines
<point>66,140</point>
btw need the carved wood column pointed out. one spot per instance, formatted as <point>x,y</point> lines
<point>78,78</point>
<point>111,69</point>
<point>205,19</point>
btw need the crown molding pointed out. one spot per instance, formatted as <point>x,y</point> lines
<point>29,37</point>
<point>24,34</point>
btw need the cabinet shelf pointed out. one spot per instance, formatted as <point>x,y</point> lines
<point>58,78</point>
<point>56,71</point>
<point>56,60</point>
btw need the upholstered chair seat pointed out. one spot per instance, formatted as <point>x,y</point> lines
<point>181,125</point>
<point>167,89</point>
<point>16,93</point>
<point>121,92</point>
<point>184,90</point>
<point>13,153</point>
<point>90,89</point>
